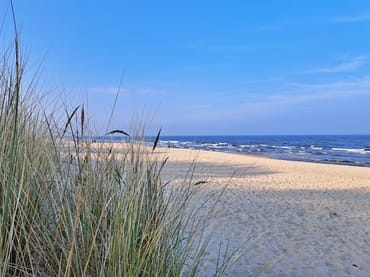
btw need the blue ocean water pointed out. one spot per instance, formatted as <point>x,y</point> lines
<point>333,149</point>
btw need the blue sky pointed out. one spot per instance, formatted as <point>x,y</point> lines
<point>205,67</point>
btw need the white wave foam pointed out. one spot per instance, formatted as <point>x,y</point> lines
<point>287,147</point>
<point>351,150</point>
<point>222,144</point>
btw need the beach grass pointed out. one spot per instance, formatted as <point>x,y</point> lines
<point>71,207</point>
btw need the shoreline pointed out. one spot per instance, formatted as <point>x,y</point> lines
<point>261,156</point>
<point>277,158</point>
<point>246,156</point>
<point>337,149</point>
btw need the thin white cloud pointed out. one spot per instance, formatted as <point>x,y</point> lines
<point>349,65</point>
<point>128,91</point>
<point>296,94</point>
<point>268,111</point>
<point>263,81</point>
<point>107,90</point>
<point>352,18</point>
<point>225,46</point>
<point>303,92</point>
<point>149,92</point>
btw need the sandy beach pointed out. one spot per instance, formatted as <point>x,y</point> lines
<point>287,218</point>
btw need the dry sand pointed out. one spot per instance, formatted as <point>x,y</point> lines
<point>288,218</point>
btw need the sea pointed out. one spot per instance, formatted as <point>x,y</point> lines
<point>330,149</point>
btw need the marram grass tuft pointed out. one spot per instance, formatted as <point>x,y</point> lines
<point>70,207</point>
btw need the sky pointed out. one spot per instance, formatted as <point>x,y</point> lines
<point>203,67</point>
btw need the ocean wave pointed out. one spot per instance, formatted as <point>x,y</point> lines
<point>313,147</point>
<point>352,150</point>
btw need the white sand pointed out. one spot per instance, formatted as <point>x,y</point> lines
<point>289,218</point>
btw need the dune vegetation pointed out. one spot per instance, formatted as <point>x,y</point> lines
<point>70,207</point>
